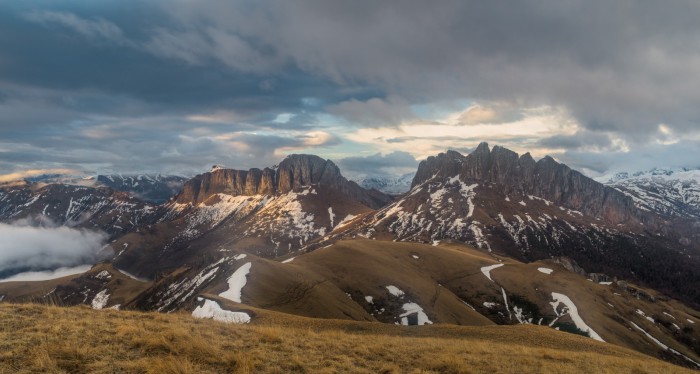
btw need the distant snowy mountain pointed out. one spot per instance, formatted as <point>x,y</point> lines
<point>392,185</point>
<point>670,192</point>
<point>154,188</point>
<point>67,179</point>
<point>102,209</point>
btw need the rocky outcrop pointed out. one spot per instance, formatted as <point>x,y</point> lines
<point>546,178</point>
<point>293,173</point>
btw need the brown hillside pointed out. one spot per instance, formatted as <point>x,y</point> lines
<point>38,338</point>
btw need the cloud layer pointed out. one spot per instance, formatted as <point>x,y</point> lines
<point>395,163</point>
<point>176,86</point>
<point>31,276</point>
<point>28,248</point>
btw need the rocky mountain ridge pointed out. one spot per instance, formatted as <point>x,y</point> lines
<point>522,175</point>
<point>292,174</point>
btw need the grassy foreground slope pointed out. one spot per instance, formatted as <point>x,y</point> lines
<point>36,338</point>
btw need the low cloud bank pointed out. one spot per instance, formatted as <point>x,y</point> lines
<point>25,247</point>
<point>48,274</point>
<point>32,173</point>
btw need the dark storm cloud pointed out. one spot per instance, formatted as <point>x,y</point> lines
<point>100,51</point>
<point>74,75</point>
<point>616,66</point>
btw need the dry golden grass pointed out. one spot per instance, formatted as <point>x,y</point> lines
<point>35,338</point>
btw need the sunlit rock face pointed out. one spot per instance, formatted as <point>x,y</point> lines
<point>293,173</point>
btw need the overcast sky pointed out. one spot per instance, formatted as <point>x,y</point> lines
<point>176,86</point>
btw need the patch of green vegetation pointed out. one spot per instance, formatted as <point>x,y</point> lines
<point>530,309</point>
<point>571,328</point>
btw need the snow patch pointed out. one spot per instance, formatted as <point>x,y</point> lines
<point>288,260</point>
<point>641,313</point>
<point>104,274</point>
<point>660,344</point>
<point>395,291</point>
<point>545,270</point>
<point>100,300</point>
<point>572,311</point>
<point>505,300</point>
<point>413,308</point>
<point>212,310</point>
<point>487,270</point>
<point>131,275</point>
<point>236,282</point>
<point>345,221</point>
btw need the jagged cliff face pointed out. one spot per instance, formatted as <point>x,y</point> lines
<point>546,178</point>
<point>293,173</point>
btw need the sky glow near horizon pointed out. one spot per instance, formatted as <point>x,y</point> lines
<point>177,86</point>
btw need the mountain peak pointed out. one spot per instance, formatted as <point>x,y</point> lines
<point>483,147</point>
<point>295,172</point>
<point>527,157</point>
<point>521,175</point>
<point>299,170</point>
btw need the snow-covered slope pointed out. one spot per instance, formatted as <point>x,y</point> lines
<point>669,192</point>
